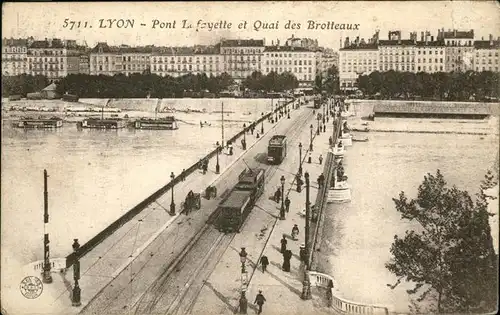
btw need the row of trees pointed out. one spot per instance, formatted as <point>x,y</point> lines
<point>141,85</point>
<point>329,82</point>
<point>449,256</point>
<point>117,86</point>
<point>23,84</point>
<point>270,82</point>
<point>456,86</point>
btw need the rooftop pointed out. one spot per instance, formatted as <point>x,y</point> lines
<point>394,42</point>
<point>361,47</point>
<point>459,34</point>
<point>242,43</point>
<point>286,48</point>
<point>14,42</point>
<point>55,43</point>
<point>486,44</point>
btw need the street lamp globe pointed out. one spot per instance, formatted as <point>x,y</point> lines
<point>172,176</point>
<point>300,145</point>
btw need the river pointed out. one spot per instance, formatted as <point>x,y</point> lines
<point>95,175</point>
<point>359,234</point>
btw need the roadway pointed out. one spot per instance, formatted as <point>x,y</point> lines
<point>172,267</point>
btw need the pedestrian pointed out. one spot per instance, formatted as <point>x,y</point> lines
<point>330,141</point>
<point>183,174</point>
<point>287,256</point>
<point>320,159</point>
<point>295,232</point>
<point>309,159</point>
<point>324,128</point>
<point>283,244</point>
<point>277,195</point>
<point>302,253</point>
<point>321,179</point>
<point>259,300</point>
<point>287,204</point>
<point>264,261</point>
<point>243,144</point>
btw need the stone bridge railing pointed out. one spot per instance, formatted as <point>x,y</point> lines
<point>341,305</point>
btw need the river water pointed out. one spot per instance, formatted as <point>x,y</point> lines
<point>360,233</point>
<point>95,175</point>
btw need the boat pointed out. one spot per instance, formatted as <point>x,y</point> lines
<point>165,123</point>
<point>365,129</point>
<point>338,150</point>
<point>359,139</point>
<point>39,123</point>
<point>100,123</point>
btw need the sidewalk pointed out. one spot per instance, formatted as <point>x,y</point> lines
<point>261,235</point>
<point>109,259</point>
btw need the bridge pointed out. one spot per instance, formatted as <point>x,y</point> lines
<point>156,260</point>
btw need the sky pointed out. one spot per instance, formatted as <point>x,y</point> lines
<point>264,20</point>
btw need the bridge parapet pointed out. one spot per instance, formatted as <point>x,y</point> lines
<point>341,305</point>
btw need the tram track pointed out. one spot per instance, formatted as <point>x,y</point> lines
<point>186,275</point>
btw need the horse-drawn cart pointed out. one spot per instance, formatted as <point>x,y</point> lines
<point>192,202</point>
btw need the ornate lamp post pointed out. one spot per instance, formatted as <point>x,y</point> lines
<point>243,299</point>
<point>311,138</point>
<point>317,126</point>
<point>306,284</point>
<point>172,204</point>
<point>47,278</point>
<point>217,166</point>
<point>300,159</point>
<point>262,126</point>
<point>282,210</point>
<point>77,292</point>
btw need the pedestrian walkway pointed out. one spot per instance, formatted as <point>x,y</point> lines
<point>110,258</point>
<point>261,235</point>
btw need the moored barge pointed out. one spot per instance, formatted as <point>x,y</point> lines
<point>39,123</point>
<point>99,123</point>
<point>165,123</point>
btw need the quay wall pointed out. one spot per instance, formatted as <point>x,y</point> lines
<point>101,236</point>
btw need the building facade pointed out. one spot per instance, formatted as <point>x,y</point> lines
<point>459,50</point>
<point>486,55</point>
<point>14,56</point>
<point>48,57</point>
<point>178,61</point>
<point>357,58</point>
<point>298,61</point>
<point>241,57</point>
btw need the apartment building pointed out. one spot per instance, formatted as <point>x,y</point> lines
<point>241,57</point>
<point>397,54</point>
<point>52,57</point>
<point>459,50</point>
<point>486,55</point>
<point>299,61</point>
<point>178,61</point>
<point>357,58</point>
<point>14,56</point>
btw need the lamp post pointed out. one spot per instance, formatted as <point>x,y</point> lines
<point>244,137</point>
<point>243,299</point>
<point>282,210</point>
<point>306,284</point>
<point>317,126</point>
<point>217,166</point>
<point>300,159</point>
<point>172,204</point>
<point>47,278</point>
<point>262,126</point>
<point>77,292</point>
<point>324,108</point>
<point>311,138</point>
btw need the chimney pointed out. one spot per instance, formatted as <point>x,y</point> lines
<point>278,42</point>
<point>432,39</point>
<point>491,39</point>
<point>482,38</point>
<point>272,43</point>
<point>346,43</point>
<point>454,33</point>
<point>421,36</point>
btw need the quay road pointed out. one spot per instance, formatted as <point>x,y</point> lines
<point>166,270</point>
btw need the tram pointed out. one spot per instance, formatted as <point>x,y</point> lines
<point>276,150</point>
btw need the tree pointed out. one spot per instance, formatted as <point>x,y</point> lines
<point>449,256</point>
